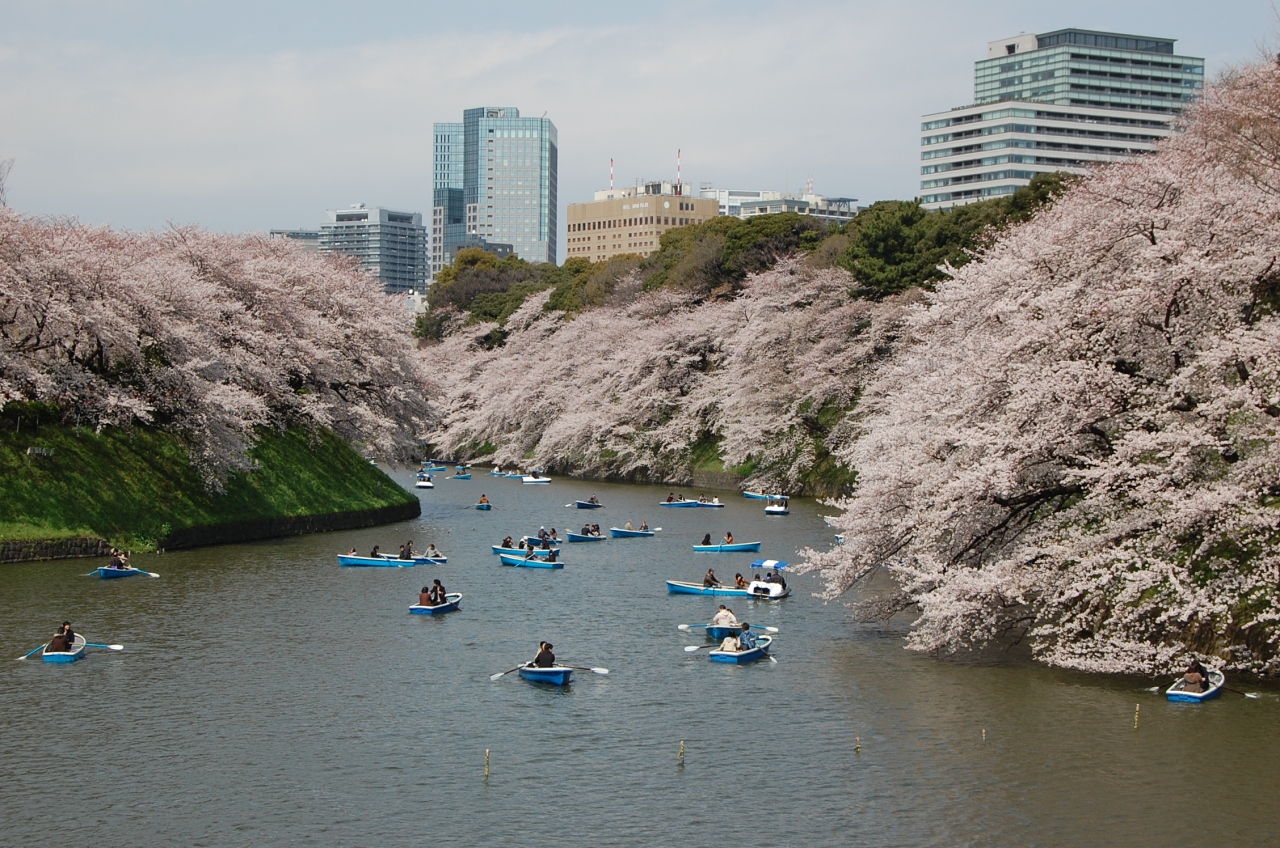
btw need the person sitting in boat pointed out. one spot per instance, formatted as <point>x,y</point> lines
<point>710,581</point>
<point>404,553</point>
<point>544,659</point>
<point>433,552</point>
<point>507,543</point>
<point>671,498</point>
<point>627,526</point>
<point>724,617</point>
<point>746,640</point>
<point>595,529</point>
<point>375,553</point>
<point>731,644</point>
<point>586,530</point>
<point>593,500</point>
<point>703,499</point>
<point>424,597</point>
<point>546,544</point>
<point>644,525</point>
<point>728,538</point>
<point>706,540</point>
<point>552,535</point>
<point>554,556</point>
<point>408,548</point>
<point>739,581</point>
<point>484,499</point>
<point>542,533</point>
<point>1196,679</point>
<point>60,643</point>
<point>437,593</point>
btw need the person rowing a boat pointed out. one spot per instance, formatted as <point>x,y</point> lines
<point>1197,677</point>
<point>739,581</point>
<point>437,593</point>
<point>542,533</point>
<point>484,499</point>
<point>710,581</point>
<point>552,535</point>
<point>117,559</point>
<point>593,500</point>
<point>375,553</point>
<point>408,548</point>
<point>628,525</point>
<point>544,659</point>
<point>404,553</point>
<point>507,543</point>
<point>724,617</point>
<point>671,498</point>
<point>746,640</point>
<point>728,538</point>
<point>644,525</point>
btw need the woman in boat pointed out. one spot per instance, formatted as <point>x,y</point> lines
<point>507,543</point>
<point>710,580</point>
<point>731,643</point>
<point>424,597</point>
<point>544,659</point>
<point>552,535</point>
<point>58,644</point>
<point>706,540</point>
<point>375,553</point>
<point>1196,679</point>
<point>728,538</point>
<point>739,581</point>
<point>595,529</point>
<point>484,499</point>
<point>644,525</point>
<point>554,556</point>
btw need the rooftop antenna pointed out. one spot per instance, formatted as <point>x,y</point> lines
<point>808,185</point>
<point>611,173</point>
<point>678,189</point>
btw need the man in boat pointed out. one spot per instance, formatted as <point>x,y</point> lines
<point>404,554</point>
<point>484,499</point>
<point>710,581</point>
<point>117,559</point>
<point>628,525</point>
<point>437,593</point>
<point>408,548</point>
<point>544,659</point>
<point>554,556</point>
<point>58,644</point>
<point>594,500</point>
<point>507,543</point>
<point>746,641</point>
<point>728,538</point>
<point>432,552</point>
<point>586,529</point>
<point>542,533</point>
<point>724,617</point>
<point>671,498</point>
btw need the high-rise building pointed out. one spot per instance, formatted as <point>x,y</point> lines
<point>632,219</point>
<point>1060,101</point>
<point>495,183</point>
<point>391,245</point>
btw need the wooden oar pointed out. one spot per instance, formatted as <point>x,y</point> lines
<point>765,628</point>
<point>1246,694</point>
<point>689,649</point>
<point>33,650</point>
<point>584,668</point>
<point>100,645</point>
<point>504,673</point>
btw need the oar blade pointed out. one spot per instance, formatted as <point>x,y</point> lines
<point>689,649</point>
<point>683,626</point>
<point>770,629</point>
<point>600,670</point>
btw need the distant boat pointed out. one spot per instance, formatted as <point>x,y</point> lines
<point>76,652</point>
<point>619,533</point>
<point>484,506</point>
<point>735,548</point>
<point>534,478</point>
<point>450,605</point>
<point>555,675</point>
<point>761,496</point>
<point>756,589</point>
<point>462,476</point>
<point>580,537</point>
<point>528,562</point>
<point>434,467</point>
<point>541,553</point>
<point>1177,692</point>
<point>588,505</point>
<point>424,484</point>
<point>777,509</point>
<point>352,561</point>
<point>108,573</point>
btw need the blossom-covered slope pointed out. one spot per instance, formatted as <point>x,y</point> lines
<point>629,390</point>
<point>1080,442</point>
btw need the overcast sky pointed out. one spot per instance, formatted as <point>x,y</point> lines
<point>245,116</point>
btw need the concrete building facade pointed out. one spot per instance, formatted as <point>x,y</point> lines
<point>632,219</point>
<point>1060,101</point>
<point>391,245</point>
<point>747,204</point>
<point>495,182</point>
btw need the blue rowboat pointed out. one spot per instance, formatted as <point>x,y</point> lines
<point>461,468</point>
<point>497,472</point>
<point>1177,692</point>
<point>112,573</point>
<point>761,496</point>
<point>374,562</point>
<point>541,553</point>
<point>537,542</point>
<point>735,548</point>
<point>462,476</point>
<point>720,631</point>
<point>530,562</point>
<point>588,505</point>
<point>678,504</point>
<point>420,559</point>
<point>516,475</point>
<point>757,589</point>
<point>711,504</point>
<point>484,506</point>
<point>556,675</point>
<point>578,537</point>
<point>76,652</point>
<point>619,533</point>
<point>450,605</point>
<point>434,467</point>
<point>742,657</point>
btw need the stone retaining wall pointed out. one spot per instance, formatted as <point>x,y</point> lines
<point>53,549</point>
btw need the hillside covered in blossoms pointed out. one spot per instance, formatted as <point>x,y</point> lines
<point>1066,437</point>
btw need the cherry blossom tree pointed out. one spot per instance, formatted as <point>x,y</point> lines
<point>1077,444</point>
<point>211,336</point>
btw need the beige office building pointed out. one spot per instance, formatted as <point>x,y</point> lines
<point>631,219</point>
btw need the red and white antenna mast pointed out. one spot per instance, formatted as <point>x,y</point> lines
<point>610,174</point>
<point>678,191</point>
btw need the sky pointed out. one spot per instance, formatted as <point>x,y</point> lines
<point>247,116</point>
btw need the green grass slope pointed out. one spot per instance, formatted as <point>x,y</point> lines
<point>135,487</point>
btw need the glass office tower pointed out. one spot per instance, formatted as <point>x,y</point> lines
<point>495,184</point>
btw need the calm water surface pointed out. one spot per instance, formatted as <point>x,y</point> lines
<point>268,697</point>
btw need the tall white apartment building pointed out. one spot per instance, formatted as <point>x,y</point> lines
<point>1060,101</point>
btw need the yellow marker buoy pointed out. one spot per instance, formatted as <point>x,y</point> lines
<point>486,763</point>
<point>857,748</point>
<point>1136,709</point>
<point>680,756</point>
